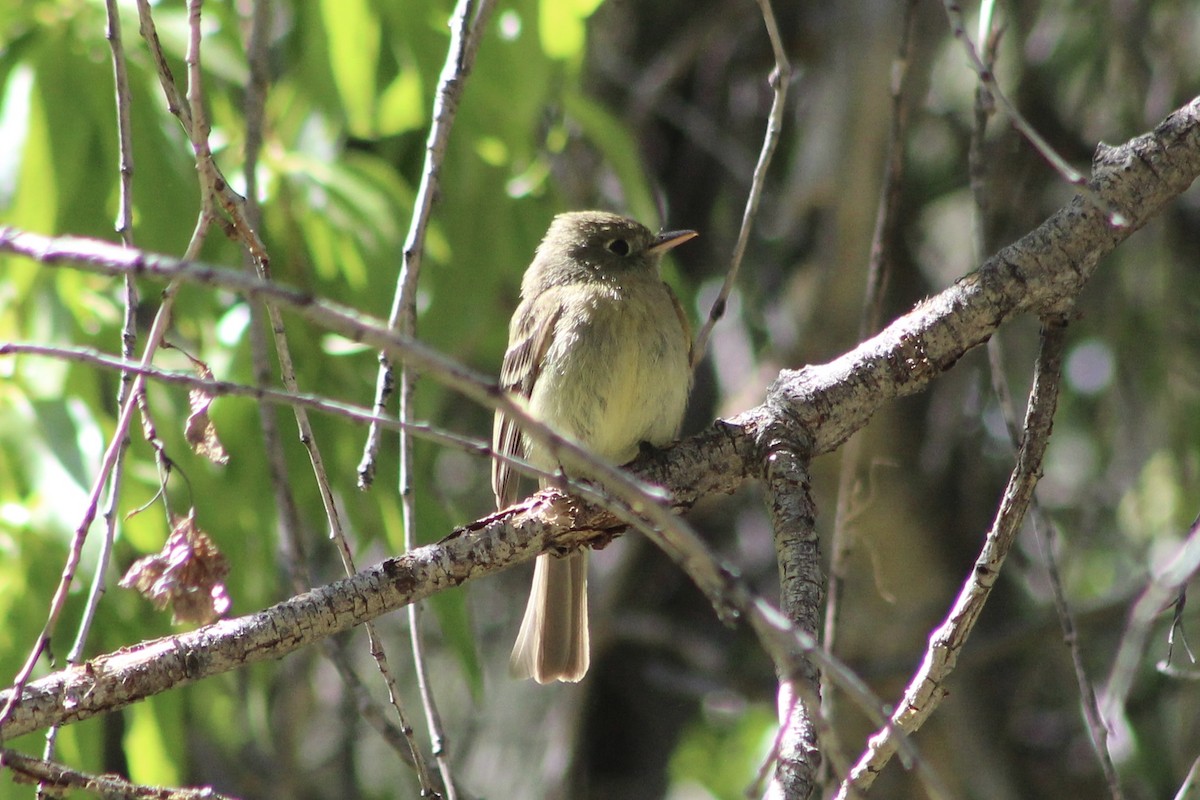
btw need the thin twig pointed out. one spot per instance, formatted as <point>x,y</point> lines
<point>1043,528</point>
<point>1044,532</point>
<point>124,227</point>
<point>264,394</point>
<point>287,372</point>
<point>926,689</point>
<point>467,25</point>
<point>780,76</point>
<point>887,213</point>
<point>111,787</point>
<point>466,30</point>
<point>1161,589</point>
<point>291,541</point>
<point>988,78</point>
<point>1096,726</point>
<point>217,187</point>
<point>1190,788</point>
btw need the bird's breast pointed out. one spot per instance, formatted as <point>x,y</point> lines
<point>616,372</point>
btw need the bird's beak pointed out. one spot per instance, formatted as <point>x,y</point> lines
<point>669,239</point>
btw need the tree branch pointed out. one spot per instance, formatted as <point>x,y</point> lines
<point>801,585</point>
<point>823,404</point>
<point>927,688</point>
<point>1034,274</point>
<point>57,778</point>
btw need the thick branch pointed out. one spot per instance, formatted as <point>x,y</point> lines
<point>1034,274</point>
<point>113,681</point>
<point>832,400</point>
<point>801,583</point>
<point>824,404</point>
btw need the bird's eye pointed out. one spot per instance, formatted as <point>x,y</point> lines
<point>618,246</point>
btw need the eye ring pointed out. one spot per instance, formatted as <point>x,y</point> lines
<point>618,246</point>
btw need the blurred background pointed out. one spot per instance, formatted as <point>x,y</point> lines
<point>657,110</point>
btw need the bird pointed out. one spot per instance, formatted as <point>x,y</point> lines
<point>601,350</point>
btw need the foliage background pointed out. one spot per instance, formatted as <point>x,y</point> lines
<point>655,109</point>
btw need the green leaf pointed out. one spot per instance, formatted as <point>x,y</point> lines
<point>455,622</point>
<point>402,105</point>
<point>721,751</point>
<point>65,438</point>
<point>561,27</point>
<point>33,201</point>
<point>354,39</point>
<point>147,737</point>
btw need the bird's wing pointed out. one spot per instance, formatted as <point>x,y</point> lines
<point>683,323</point>
<point>528,343</point>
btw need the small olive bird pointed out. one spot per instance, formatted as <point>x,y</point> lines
<point>601,349</point>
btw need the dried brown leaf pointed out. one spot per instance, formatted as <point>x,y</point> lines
<point>199,430</point>
<point>188,574</point>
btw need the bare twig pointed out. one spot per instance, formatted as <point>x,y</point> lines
<point>926,689</point>
<point>400,739</point>
<point>780,76</point>
<point>1044,532</point>
<point>887,214</point>
<point>308,438</point>
<point>124,227</point>
<point>467,25</point>
<point>291,539</point>
<point>1190,788</point>
<point>216,187</point>
<point>111,787</point>
<point>261,394</point>
<point>988,78</point>
<point>176,103</point>
<point>1160,591</point>
<point>470,17</point>
<point>1096,726</point>
<point>989,36</point>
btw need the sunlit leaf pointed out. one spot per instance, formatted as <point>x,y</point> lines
<point>561,26</point>
<point>33,200</point>
<point>158,757</point>
<point>353,33</point>
<point>401,105</point>
<point>722,751</point>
